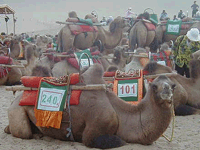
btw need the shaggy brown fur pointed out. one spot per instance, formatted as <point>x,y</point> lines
<point>102,120</point>
<point>186,98</point>
<point>41,71</point>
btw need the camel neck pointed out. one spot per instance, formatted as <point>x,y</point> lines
<point>142,123</point>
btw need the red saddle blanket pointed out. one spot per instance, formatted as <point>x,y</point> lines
<point>149,26</point>
<point>77,29</point>
<point>4,70</point>
<point>29,97</point>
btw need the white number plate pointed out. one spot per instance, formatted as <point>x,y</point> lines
<point>50,99</point>
<point>127,90</point>
<point>161,62</point>
<point>173,28</point>
<point>84,62</point>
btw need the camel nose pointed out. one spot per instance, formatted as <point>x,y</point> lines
<point>166,94</point>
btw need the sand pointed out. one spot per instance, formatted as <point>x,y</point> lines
<point>186,134</point>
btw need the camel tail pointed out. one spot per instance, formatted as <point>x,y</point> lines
<point>60,42</point>
<point>107,141</point>
<point>184,110</point>
<point>133,39</point>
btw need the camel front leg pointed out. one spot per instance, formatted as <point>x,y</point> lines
<point>19,123</point>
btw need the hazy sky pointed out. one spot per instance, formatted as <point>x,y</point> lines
<point>33,15</point>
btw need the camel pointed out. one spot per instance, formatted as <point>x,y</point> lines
<point>102,120</point>
<point>9,76</point>
<point>109,39</point>
<point>186,95</point>
<point>162,37</point>
<point>12,48</point>
<point>43,41</point>
<point>142,33</point>
<point>32,53</point>
<point>64,68</point>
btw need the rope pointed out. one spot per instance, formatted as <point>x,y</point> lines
<point>173,125</point>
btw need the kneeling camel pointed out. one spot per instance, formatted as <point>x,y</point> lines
<point>101,119</point>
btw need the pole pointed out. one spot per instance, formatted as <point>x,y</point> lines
<point>14,24</point>
<point>6,22</point>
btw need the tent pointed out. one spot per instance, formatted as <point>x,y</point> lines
<point>7,10</point>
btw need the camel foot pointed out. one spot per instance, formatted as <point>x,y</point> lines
<point>7,129</point>
<point>37,136</point>
<point>107,141</point>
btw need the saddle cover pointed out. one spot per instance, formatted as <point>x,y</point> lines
<point>84,61</point>
<point>77,29</point>
<point>149,26</point>
<point>4,70</point>
<point>164,56</point>
<point>129,86</point>
<point>49,100</point>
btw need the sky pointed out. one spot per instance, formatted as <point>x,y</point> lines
<point>34,15</point>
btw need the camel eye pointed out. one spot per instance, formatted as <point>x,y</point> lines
<point>173,86</point>
<point>154,87</point>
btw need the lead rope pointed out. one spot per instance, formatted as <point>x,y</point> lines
<point>173,124</point>
<point>69,129</point>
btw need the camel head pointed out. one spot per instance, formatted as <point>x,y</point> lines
<point>162,88</point>
<point>93,75</point>
<point>155,68</point>
<point>194,69</point>
<point>32,50</point>
<point>196,55</point>
<point>118,22</point>
<point>41,71</point>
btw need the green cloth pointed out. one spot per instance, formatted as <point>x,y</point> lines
<point>173,27</point>
<point>86,21</point>
<point>154,18</point>
<point>182,52</point>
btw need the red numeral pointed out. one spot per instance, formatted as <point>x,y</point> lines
<point>127,89</point>
<point>122,88</point>
<point>133,87</point>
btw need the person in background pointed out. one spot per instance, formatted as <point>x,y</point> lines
<point>175,18</point>
<point>129,15</point>
<point>181,14</point>
<point>109,20</point>
<point>164,16</point>
<point>194,8</point>
<point>183,47</point>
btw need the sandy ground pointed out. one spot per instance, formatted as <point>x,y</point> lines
<point>186,135</point>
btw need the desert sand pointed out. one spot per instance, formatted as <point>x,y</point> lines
<point>186,134</point>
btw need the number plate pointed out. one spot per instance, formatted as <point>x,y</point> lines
<point>50,99</point>
<point>173,28</point>
<point>84,62</point>
<point>161,62</point>
<point>127,90</point>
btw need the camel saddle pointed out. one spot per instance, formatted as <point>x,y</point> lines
<point>77,29</point>
<point>74,59</point>
<point>149,25</point>
<point>4,70</point>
